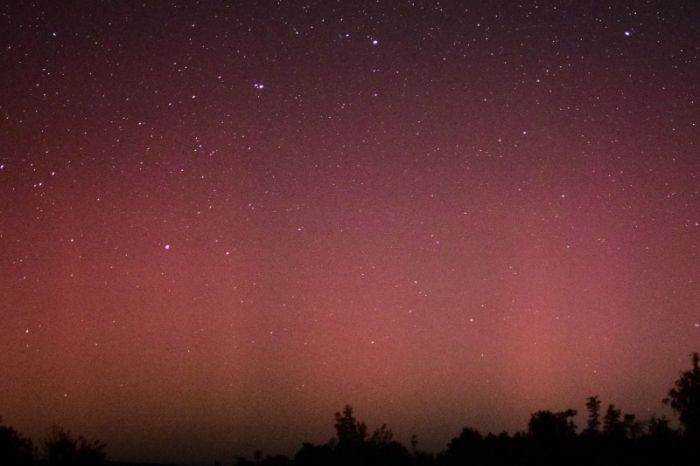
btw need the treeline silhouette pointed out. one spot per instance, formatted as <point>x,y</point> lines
<point>59,448</point>
<point>552,438</point>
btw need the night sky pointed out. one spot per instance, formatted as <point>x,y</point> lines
<point>222,221</point>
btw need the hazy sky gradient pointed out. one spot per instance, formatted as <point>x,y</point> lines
<point>220,222</point>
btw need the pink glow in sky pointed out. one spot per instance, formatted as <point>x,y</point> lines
<point>222,222</point>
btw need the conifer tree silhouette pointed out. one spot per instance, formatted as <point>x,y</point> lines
<point>348,429</point>
<point>593,407</point>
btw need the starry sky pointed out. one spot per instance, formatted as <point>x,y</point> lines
<point>222,221</point>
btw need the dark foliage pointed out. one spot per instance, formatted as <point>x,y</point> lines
<point>15,450</point>
<point>348,430</point>
<point>610,439</point>
<point>312,455</point>
<point>593,423</point>
<point>551,439</point>
<point>684,398</point>
<point>62,449</point>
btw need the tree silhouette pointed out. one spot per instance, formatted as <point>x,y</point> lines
<point>62,449</point>
<point>348,429</point>
<point>465,449</point>
<point>551,439</point>
<point>632,427</point>
<point>684,398</point>
<point>15,450</point>
<point>382,436</point>
<point>659,427</point>
<point>593,407</point>
<point>612,422</point>
<point>351,446</point>
<point>414,444</point>
<point>546,425</point>
<point>312,455</point>
<point>611,439</point>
